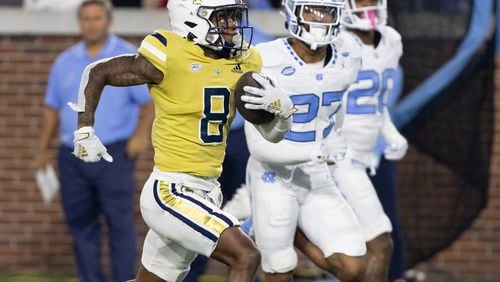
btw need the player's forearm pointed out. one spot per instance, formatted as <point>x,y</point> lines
<point>92,92</point>
<point>276,130</point>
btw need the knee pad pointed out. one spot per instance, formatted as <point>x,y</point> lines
<point>278,260</point>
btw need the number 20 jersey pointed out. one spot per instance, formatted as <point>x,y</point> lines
<point>315,91</point>
<point>364,102</point>
<point>194,104</point>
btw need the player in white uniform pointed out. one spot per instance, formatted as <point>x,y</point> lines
<point>366,118</point>
<point>290,182</point>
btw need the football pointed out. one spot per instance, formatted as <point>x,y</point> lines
<point>253,116</point>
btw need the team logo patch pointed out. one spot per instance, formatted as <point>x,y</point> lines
<point>288,71</point>
<point>319,76</point>
<point>194,67</point>
<point>237,69</point>
<point>269,177</point>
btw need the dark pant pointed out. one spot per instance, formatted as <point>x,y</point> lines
<point>89,190</point>
<point>235,163</point>
<point>386,185</point>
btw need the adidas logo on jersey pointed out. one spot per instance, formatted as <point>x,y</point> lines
<point>237,69</point>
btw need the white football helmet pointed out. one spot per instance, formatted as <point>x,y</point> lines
<point>365,17</point>
<point>316,22</point>
<point>194,19</point>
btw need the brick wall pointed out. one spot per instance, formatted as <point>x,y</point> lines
<point>33,236</point>
<point>476,254</point>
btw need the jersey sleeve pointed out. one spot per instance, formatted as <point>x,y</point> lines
<point>351,51</point>
<point>271,55</point>
<point>154,49</point>
<point>395,41</point>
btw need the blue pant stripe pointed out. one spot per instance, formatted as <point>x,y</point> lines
<point>184,219</point>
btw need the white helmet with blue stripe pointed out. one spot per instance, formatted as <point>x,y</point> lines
<point>365,17</point>
<point>315,22</point>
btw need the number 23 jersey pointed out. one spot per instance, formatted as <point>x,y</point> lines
<point>194,104</point>
<point>315,90</point>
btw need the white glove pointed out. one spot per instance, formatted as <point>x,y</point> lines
<point>396,147</point>
<point>270,98</point>
<point>88,147</point>
<point>335,146</point>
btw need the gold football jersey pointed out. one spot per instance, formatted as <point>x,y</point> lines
<point>194,103</point>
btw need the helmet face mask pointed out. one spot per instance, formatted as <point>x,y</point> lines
<point>315,22</point>
<point>365,17</point>
<point>219,25</point>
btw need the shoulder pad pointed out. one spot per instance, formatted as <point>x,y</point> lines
<point>390,33</point>
<point>393,39</point>
<point>270,53</point>
<point>348,46</point>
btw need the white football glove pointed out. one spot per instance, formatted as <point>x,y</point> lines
<point>88,147</point>
<point>270,98</point>
<point>396,147</point>
<point>335,146</point>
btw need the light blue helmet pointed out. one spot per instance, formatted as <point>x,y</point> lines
<point>365,17</point>
<point>313,32</point>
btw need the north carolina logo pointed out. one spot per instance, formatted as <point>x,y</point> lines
<point>194,67</point>
<point>288,71</point>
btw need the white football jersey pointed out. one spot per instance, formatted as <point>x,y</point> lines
<point>364,102</point>
<point>316,91</point>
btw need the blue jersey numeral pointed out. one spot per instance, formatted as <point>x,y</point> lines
<point>311,101</point>
<point>377,83</point>
<point>214,114</point>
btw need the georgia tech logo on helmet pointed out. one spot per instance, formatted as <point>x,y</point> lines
<point>197,2</point>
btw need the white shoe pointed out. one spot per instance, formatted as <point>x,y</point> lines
<point>239,205</point>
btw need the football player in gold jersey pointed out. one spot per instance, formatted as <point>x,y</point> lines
<point>191,73</point>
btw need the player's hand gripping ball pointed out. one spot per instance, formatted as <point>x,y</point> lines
<point>253,116</point>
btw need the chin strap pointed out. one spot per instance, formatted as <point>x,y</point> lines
<point>315,34</point>
<point>227,50</point>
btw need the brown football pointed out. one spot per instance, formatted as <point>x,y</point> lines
<point>253,116</point>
